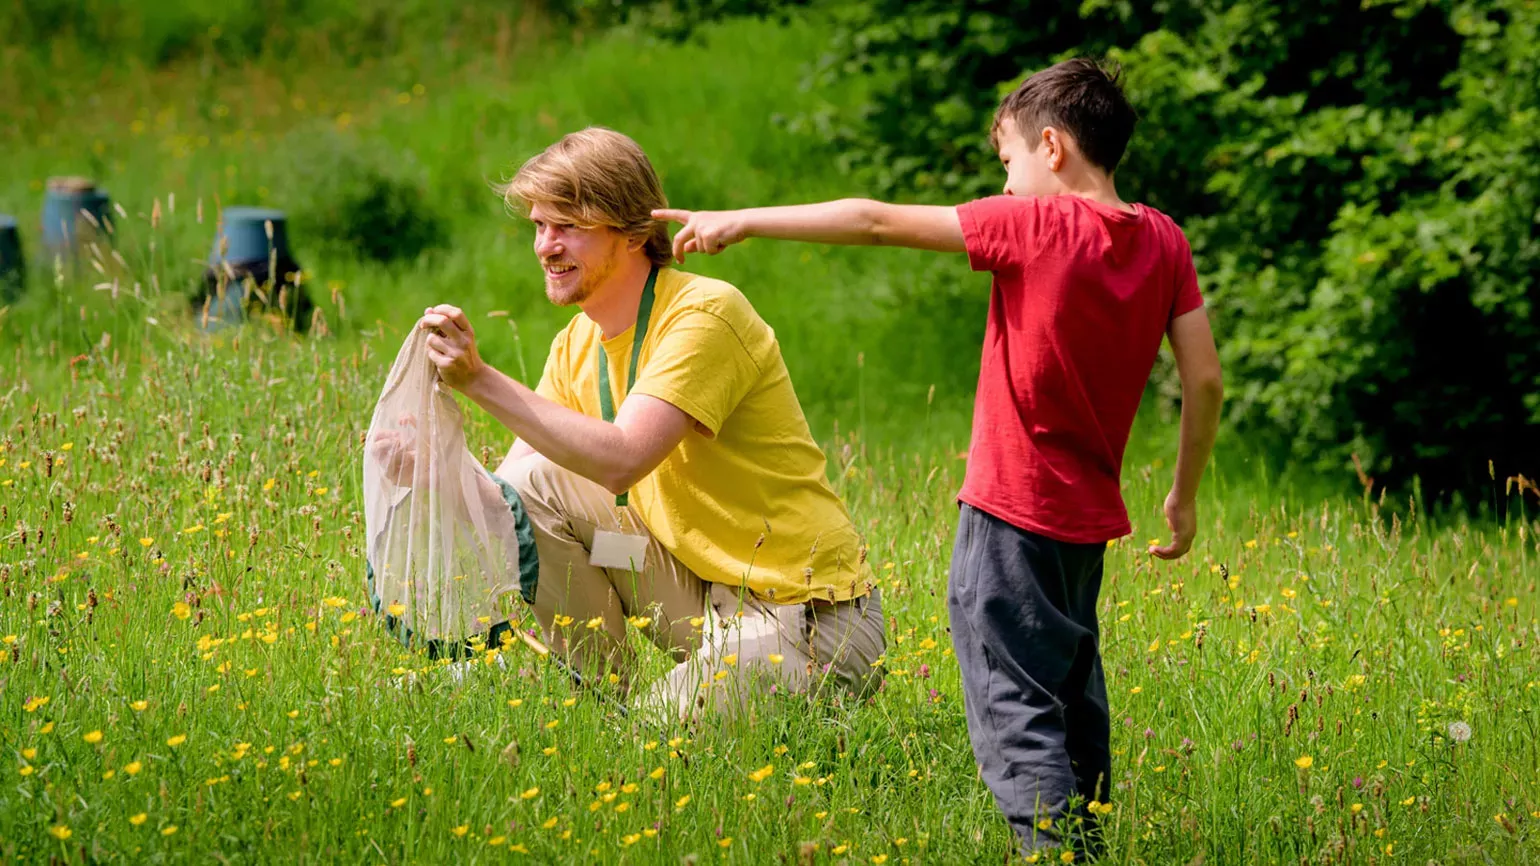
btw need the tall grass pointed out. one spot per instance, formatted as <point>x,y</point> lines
<point>189,670</point>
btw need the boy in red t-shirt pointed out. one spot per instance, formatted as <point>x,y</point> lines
<point>1085,286</point>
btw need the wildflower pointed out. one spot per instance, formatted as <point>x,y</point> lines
<point>840,849</point>
<point>461,830</point>
<point>730,660</point>
<point>1067,857</point>
<point>776,658</point>
<point>26,770</point>
<point>801,780</point>
<point>762,773</point>
<point>396,608</point>
<point>146,541</point>
<point>640,621</point>
<point>169,830</point>
<point>133,768</point>
<point>656,774</point>
<point>1459,732</point>
<point>497,840</point>
<point>138,819</point>
<point>725,842</point>
<point>682,802</point>
<point>562,620</point>
<point>880,859</point>
<point>33,704</point>
<point>93,737</point>
<point>398,802</point>
<point>60,832</point>
<point>530,794</point>
<point>180,610</point>
<point>177,740</point>
<point>1303,762</point>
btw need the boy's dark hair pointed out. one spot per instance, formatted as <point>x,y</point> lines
<point>1082,97</point>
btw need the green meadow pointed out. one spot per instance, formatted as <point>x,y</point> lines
<point>190,671</point>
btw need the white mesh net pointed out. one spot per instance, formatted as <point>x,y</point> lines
<point>446,538</point>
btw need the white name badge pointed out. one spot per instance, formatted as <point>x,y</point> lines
<point>618,550</point>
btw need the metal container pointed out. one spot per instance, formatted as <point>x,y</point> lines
<point>13,270</point>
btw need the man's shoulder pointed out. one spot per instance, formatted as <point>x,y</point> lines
<point>691,292</point>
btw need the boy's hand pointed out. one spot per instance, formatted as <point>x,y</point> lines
<point>704,231</point>
<point>1182,517</point>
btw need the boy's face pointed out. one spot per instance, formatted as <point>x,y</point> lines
<point>1029,166</point>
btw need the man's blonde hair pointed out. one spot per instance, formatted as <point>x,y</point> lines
<point>596,177</point>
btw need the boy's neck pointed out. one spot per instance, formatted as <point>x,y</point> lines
<point>1094,185</point>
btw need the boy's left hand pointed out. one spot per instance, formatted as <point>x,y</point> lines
<point>1182,518</point>
<point>452,346</point>
<point>704,231</point>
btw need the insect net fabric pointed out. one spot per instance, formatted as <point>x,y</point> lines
<point>446,538</point>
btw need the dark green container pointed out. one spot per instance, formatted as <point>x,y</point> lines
<point>65,204</point>
<point>13,271</point>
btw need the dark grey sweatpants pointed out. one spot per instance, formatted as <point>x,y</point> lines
<point>1023,610</point>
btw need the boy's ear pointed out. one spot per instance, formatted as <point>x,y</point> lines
<point>1053,145</point>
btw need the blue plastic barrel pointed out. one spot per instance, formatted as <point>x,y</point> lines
<point>12,268</point>
<point>250,242</point>
<point>63,202</point>
<point>243,235</point>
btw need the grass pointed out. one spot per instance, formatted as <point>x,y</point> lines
<point>190,671</point>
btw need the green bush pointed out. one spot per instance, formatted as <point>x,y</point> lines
<point>1359,183</point>
<point>366,199</point>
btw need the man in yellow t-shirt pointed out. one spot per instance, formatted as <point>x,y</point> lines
<point>666,466</point>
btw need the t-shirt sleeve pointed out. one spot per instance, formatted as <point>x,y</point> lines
<point>699,365</point>
<point>554,385</point>
<point>1001,232</point>
<point>1186,298</point>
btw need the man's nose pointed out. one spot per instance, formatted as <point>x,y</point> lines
<point>546,245</point>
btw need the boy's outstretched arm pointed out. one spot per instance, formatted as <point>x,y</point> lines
<point>850,222</point>
<point>1197,363</point>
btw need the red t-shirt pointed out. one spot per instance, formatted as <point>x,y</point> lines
<point>1082,296</point>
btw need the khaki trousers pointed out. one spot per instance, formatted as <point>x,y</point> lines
<point>727,644</point>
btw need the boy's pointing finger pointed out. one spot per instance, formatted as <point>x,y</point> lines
<point>672,215</point>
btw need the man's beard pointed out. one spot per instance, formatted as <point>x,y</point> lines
<point>589,280</point>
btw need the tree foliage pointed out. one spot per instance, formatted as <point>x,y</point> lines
<point>1360,183</point>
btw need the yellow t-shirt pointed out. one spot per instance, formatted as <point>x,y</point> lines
<point>749,470</point>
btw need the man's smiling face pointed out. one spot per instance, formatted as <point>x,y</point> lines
<point>576,260</point>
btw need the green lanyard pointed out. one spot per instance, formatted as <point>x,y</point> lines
<point>606,402</point>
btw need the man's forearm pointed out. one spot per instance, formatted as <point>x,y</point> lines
<point>590,447</point>
<point>1200,426</point>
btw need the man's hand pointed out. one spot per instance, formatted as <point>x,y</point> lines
<point>1182,517</point>
<point>704,231</point>
<point>395,450</point>
<point>452,348</point>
